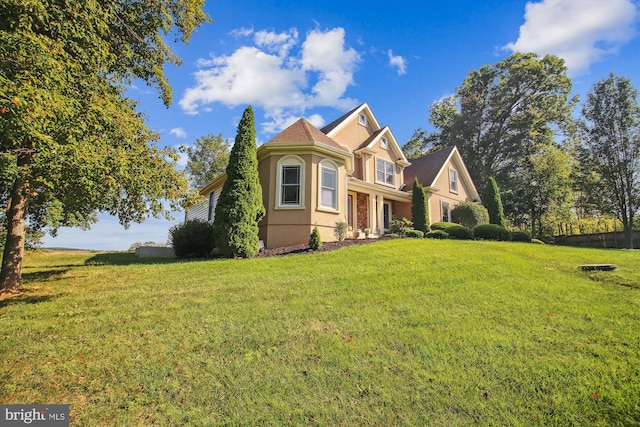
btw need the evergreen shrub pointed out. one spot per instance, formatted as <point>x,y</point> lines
<point>491,232</point>
<point>460,232</point>
<point>520,236</point>
<point>437,234</point>
<point>192,239</point>
<point>315,241</point>
<point>341,230</point>
<point>400,226</point>
<point>442,225</point>
<point>470,214</point>
<point>414,233</point>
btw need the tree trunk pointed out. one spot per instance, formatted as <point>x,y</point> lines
<point>11,273</point>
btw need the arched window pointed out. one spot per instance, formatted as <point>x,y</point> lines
<point>290,193</point>
<point>328,184</point>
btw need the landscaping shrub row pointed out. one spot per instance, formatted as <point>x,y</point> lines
<point>450,230</point>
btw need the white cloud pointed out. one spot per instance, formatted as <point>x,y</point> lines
<point>397,61</point>
<point>280,43</point>
<point>241,32</point>
<point>278,74</point>
<point>178,133</point>
<point>579,31</point>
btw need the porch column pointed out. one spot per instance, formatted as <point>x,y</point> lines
<point>373,215</point>
<point>380,214</point>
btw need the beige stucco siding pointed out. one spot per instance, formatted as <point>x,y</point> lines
<point>353,134</point>
<point>445,194</point>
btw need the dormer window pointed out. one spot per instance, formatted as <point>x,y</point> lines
<point>383,143</point>
<point>362,119</point>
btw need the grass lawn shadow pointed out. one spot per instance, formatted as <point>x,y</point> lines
<point>126,258</point>
<point>25,298</point>
<point>44,276</point>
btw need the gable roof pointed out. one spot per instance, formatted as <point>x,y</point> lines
<point>335,126</point>
<point>303,131</point>
<point>428,168</point>
<point>328,128</point>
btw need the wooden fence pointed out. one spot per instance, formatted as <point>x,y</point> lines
<point>598,240</point>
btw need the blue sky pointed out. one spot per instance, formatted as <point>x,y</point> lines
<point>319,59</point>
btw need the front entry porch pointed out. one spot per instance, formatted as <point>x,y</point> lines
<point>374,211</point>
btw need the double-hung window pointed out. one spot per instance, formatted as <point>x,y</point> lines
<point>290,188</point>
<point>453,180</point>
<point>290,183</point>
<point>385,172</point>
<point>328,185</point>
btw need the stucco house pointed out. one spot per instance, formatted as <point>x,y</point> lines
<point>351,170</point>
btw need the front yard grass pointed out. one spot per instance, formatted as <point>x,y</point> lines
<point>402,332</point>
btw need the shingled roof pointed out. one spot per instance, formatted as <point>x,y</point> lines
<point>328,128</point>
<point>303,131</point>
<point>426,168</point>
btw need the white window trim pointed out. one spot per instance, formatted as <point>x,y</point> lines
<point>385,162</point>
<point>451,182</point>
<point>362,119</point>
<point>289,161</point>
<point>329,165</point>
<point>384,143</point>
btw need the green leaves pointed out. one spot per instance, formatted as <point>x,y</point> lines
<point>81,145</point>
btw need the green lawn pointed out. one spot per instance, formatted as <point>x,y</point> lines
<point>401,332</point>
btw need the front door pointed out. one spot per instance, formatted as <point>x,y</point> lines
<point>386,215</point>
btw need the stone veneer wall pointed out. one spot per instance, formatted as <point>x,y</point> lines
<point>363,211</point>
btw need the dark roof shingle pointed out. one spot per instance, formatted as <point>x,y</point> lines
<point>426,168</point>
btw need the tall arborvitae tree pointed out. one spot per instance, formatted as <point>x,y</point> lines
<point>240,207</point>
<point>493,203</point>
<point>419,208</point>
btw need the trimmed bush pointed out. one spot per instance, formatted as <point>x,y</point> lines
<point>443,226</point>
<point>520,236</point>
<point>491,232</point>
<point>414,233</point>
<point>392,236</point>
<point>460,232</point>
<point>437,234</point>
<point>192,239</point>
<point>400,226</point>
<point>315,241</point>
<point>470,214</point>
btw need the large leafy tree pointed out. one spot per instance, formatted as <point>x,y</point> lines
<point>208,158</point>
<point>611,148</point>
<point>75,141</point>
<point>240,207</point>
<point>543,188</point>
<point>502,112</point>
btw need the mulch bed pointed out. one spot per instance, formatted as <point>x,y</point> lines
<point>303,248</point>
